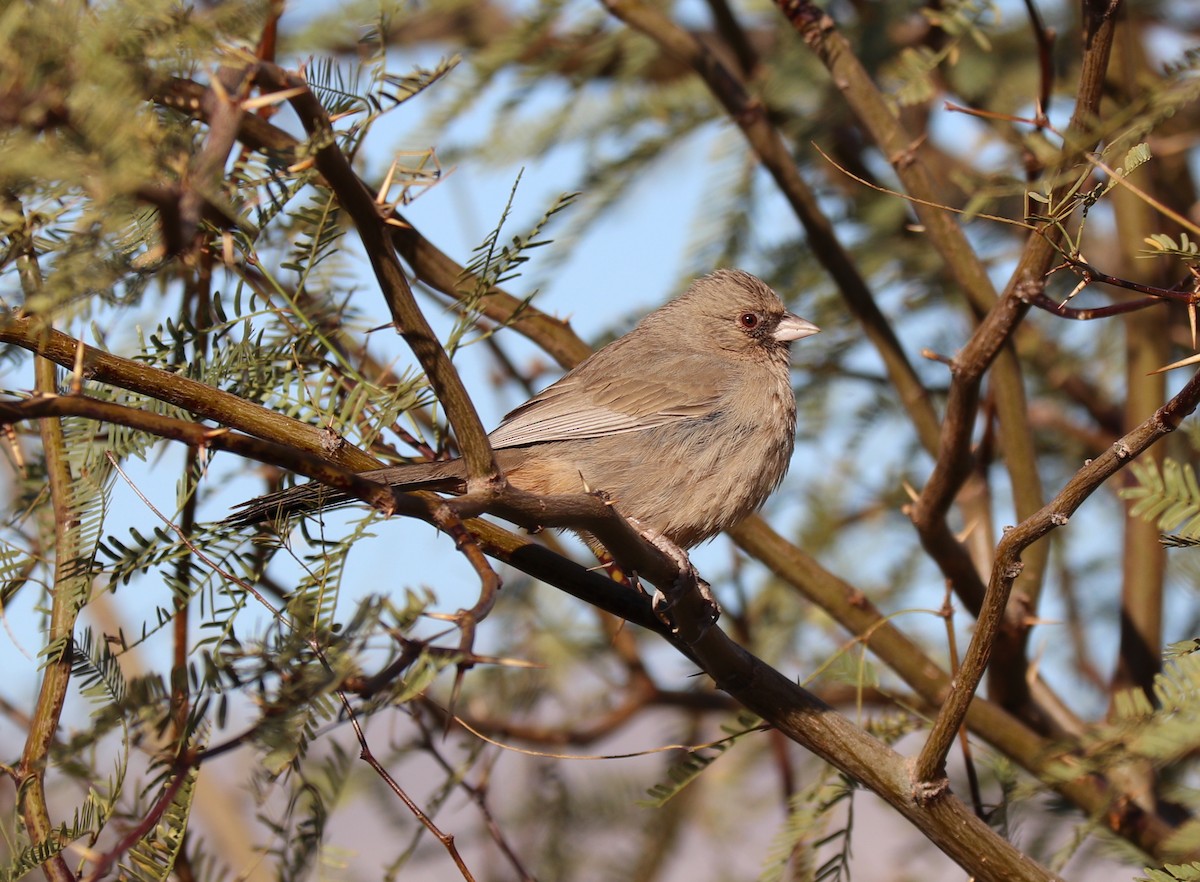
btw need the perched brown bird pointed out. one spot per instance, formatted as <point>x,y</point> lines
<point>687,422</point>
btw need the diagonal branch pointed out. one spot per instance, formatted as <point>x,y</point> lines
<point>1008,565</point>
<point>954,462</point>
<point>361,206</point>
<point>794,711</point>
<point>174,388</point>
<point>764,139</point>
<point>939,814</point>
<point>1014,738</point>
<point>428,263</point>
<point>989,343</point>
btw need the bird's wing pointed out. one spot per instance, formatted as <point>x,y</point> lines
<point>578,407</point>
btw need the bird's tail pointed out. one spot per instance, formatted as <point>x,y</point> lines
<point>314,496</point>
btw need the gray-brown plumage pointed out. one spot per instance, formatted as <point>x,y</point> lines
<point>687,422</point>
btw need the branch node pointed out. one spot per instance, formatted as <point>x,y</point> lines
<point>926,792</point>
<point>753,111</point>
<point>1028,290</point>
<point>331,441</point>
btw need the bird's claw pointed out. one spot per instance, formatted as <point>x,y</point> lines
<point>689,580</point>
<point>663,603</point>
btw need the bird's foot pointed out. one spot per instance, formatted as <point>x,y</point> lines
<point>686,585</point>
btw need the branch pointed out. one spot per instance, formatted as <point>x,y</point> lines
<point>1010,736</point>
<point>941,816</point>
<point>1044,38</point>
<point>310,639</point>
<point>1027,281</point>
<point>1008,566</point>
<point>360,205</point>
<point>198,398</point>
<point>69,591</point>
<point>952,450</point>
<point>429,264</point>
<point>147,823</point>
<point>737,672</point>
<point>537,561</point>
<point>1041,301</point>
<point>581,511</point>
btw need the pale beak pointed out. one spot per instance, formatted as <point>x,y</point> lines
<point>792,327</point>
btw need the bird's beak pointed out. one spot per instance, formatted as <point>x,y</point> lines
<point>792,327</point>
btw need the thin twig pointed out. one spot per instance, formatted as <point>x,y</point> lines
<point>365,754</point>
<point>1044,38</point>
<point>1079,314</point>
<point>478,795</point>
<point>70,582</point>
<point>146,824</point>
<point>947,612</point>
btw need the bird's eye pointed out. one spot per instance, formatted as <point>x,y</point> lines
<point>749,320</point>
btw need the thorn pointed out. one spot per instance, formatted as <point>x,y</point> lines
<point>77,371</point>
<point>271,98</point>
<point>459,674</point>
<point>1031,621</point>
<point>1183,362</point>
<point>1083,283</point>
<point>381,196</point>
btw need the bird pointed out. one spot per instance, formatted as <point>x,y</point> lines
<point>686,423</point>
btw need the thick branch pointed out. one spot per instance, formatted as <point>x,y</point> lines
<point>582,511</point>
<point>941,816</point>
<point>173,388</point>
<point>723,660</point>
